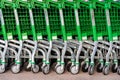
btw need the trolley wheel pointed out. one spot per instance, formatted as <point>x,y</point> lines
<point>45,69</point>
<point>91,70</point>
<point>35,69</point>
<point>99,67</point>
<point>118,70</point>
<point>84,68</point>
<point>10,63</point>
<point>114,68</point>
<point>73,70</point>
<point>68,66</point>
<point>14,69</point>
<point>106,70</point>
<point>40,65</point>
<point>25,67</point>
<point>59,70</point>
<point>2,70</point>
<point>54,66</point>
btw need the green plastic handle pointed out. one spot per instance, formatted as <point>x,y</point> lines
<point>19,32</point>
<point>34,32</point>
<point>64,33</point>
<point>79,33</point>
<point>4,32</point>
<point>108,25</point>
<point>109,33</point>
<point>49,33</point>
<point>94,33</point>
<point>93,24</point>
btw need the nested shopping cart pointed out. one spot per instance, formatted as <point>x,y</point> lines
<point>11,33</point>
<point>88,31</point>
<point>85,28</point>
<point>115,19</point>
<point>101,29</point>
<point>8,29</point>
<point>46,27</point>
<point>73,31</point>
<point>68,27</point>
<point>103,25</point>
<point>56,31</point>
<point>55,28</point>
<point>57,19</point>
<point>40,27</point>
<point>25,30</point>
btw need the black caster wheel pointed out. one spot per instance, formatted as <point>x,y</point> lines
<point>91,70</point>
<point>99,67</point>
<point>22,63</point>
<point>26,68</point>
<point>54,66</point>
<point>35,69</point>
<point>114,68</point>
<point>118,70</point>
<point>59,70</point>
<point>68,66</point>
<point>84,68</point>
<point>10,64</point>
<point>40,65</point>
<point>14,69</point>
<point>106,70</point>
<point>2,70</point>
<point>73,70</point>
<point>46,69</point>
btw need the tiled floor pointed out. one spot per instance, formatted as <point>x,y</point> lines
<point>53,76</point>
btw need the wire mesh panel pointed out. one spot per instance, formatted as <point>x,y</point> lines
<point>39,20</point>
<point>85,20</point>
<point>101,23</point>
<point>115,20</point>
<point>69,20</point>
<point>9,19</point>
<point>54,20</point>
<point>24,19</point>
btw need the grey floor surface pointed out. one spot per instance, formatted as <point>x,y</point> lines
<point>53,76</point>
